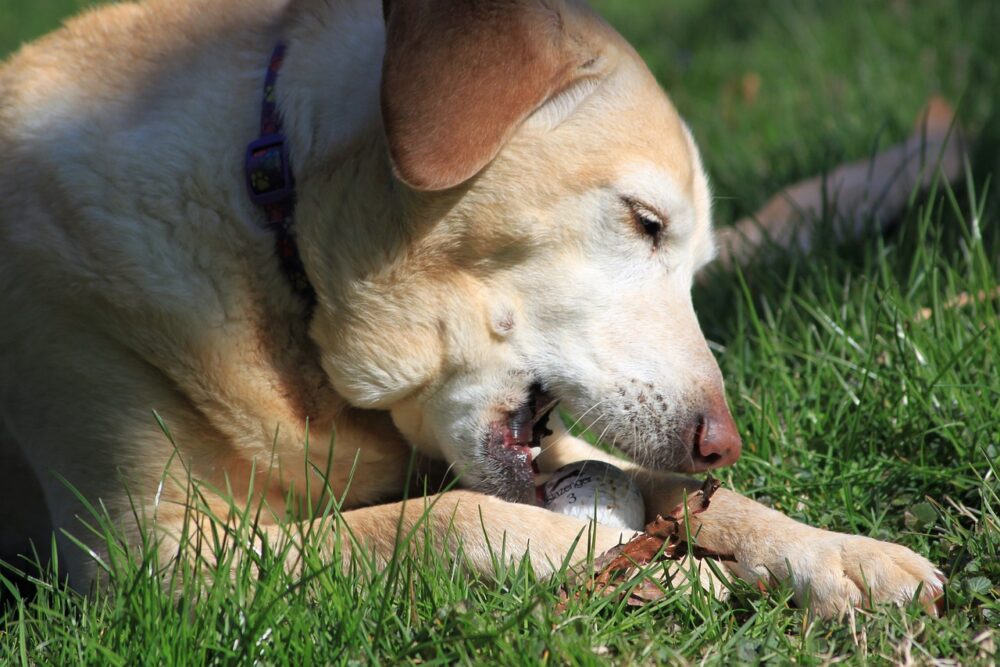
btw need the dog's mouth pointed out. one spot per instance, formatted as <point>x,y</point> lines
<point>513,444</point>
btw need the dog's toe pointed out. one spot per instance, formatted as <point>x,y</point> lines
<point>860,571</point>
<point>890,573</point>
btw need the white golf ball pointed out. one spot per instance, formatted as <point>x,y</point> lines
<point>595,491</point>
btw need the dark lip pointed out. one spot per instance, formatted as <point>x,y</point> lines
<point>509,442</point>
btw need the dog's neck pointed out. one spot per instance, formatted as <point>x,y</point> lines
<point>350,208</point>
<point>329,88</point>
<point>328,96</point>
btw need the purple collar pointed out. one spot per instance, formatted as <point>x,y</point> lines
<point>271,184</point>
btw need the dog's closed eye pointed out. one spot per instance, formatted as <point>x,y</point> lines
<point>647,221</point>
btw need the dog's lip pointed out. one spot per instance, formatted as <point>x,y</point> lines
<point>513,441</point>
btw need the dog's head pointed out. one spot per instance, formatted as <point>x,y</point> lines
<point>552,213</point>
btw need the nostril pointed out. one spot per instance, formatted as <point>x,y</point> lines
<point>700,454</point>
<point>716,443</point>
<point>699,432</point>
<point>709,460</point>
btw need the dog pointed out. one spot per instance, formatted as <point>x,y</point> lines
<point>496,208</point>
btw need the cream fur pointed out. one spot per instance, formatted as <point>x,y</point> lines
<point>135,275</point>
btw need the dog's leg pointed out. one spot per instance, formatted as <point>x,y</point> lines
<point>24,516</point>
<point>828,572</point>
<point>78,405</point>
<point>485,528</point>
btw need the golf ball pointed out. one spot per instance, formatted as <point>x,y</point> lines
<point>595,491</point>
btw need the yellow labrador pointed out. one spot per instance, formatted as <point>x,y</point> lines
<point>496,207</point>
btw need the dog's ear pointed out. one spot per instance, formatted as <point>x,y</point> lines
<point>459,76</point>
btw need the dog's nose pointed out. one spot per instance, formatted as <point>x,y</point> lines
<point>716,441</point>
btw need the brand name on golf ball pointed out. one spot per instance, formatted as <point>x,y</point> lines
<point>562,486</point>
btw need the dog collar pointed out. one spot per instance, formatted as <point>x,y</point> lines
<point>271,183</point>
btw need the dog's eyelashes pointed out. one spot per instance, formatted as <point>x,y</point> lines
<point>649,223</point>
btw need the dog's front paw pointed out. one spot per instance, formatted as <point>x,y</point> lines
<point>833,572</point>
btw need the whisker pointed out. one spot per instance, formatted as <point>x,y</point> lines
<point>585,413</point>
<point>639,450</point>
<point>600,438</point>
<point>575,424</point>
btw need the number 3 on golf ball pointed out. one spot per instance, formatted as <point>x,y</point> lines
<point>595,491</point>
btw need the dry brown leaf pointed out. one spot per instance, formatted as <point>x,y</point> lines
<point>661,540</point>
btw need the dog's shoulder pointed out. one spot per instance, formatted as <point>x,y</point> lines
<point>124,98</point>
<point>105,125</point>
<point>112,52</point>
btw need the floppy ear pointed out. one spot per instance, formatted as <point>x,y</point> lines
<point>459,76</point>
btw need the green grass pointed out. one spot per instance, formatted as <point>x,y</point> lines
<point>856,416</point>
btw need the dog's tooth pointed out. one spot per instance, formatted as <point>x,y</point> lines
<point>536,452</point>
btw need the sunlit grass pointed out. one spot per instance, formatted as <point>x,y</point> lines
<point>859,411</point>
